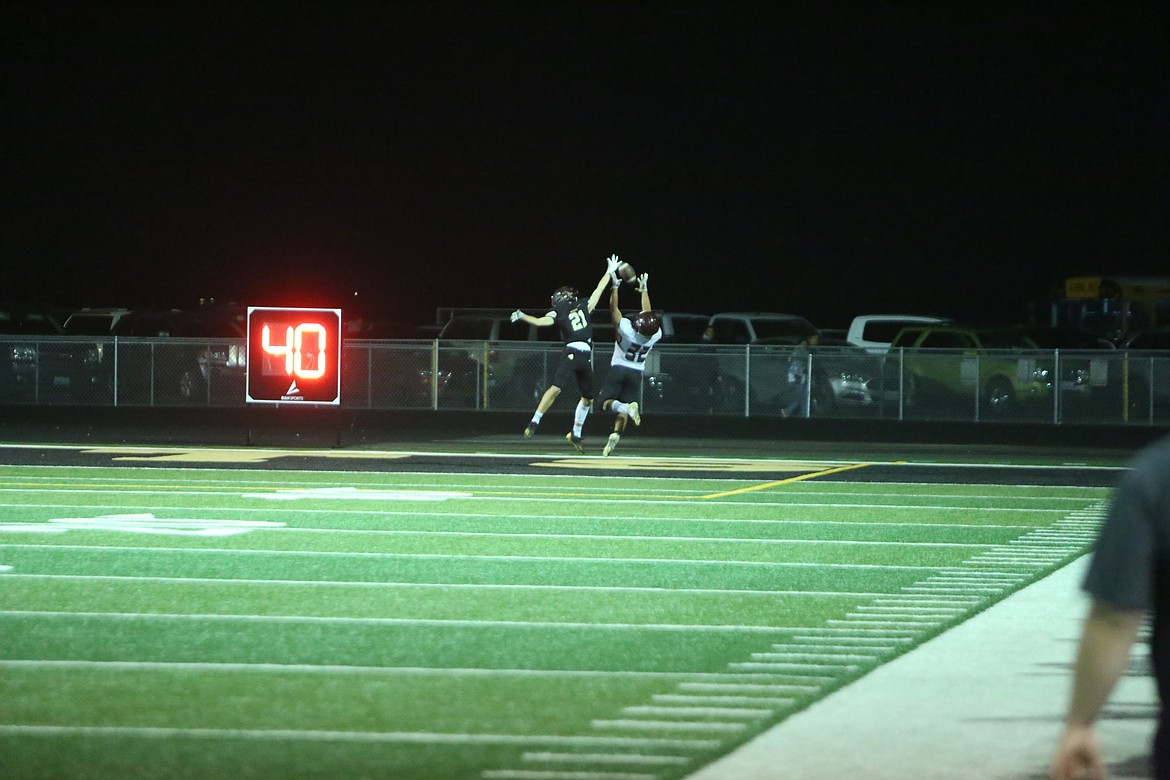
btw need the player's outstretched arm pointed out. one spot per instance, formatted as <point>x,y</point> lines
<point>615,313</point>
<point>539,322</point>
<point>644,286</point>
<point>595,298</point>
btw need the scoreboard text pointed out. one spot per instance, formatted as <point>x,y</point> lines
<point>294,356</point>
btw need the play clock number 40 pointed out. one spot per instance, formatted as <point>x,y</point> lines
<point>294,356</point>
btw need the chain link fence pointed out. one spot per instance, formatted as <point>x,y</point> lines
<point>1107,387</point>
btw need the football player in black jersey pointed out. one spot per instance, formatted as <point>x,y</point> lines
<point>570,314</point>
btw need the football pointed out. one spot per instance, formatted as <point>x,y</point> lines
<point>627,272</point>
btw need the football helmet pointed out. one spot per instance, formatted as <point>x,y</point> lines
<point>647,323</point>
<point>563,295</point>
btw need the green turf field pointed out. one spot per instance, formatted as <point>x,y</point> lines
<point>217,622</point>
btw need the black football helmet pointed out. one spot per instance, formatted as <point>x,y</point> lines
<point>563,295</point>
<point>647,323</point>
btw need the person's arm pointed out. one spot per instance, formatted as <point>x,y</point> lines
<point>1102,657</point>
<point>615,314</point>
<point>644,286</point>
<point>595,298</point>
<point>539,322</point>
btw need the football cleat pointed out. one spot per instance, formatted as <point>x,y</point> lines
<point>635,413</point>
<point>577,442</point>
<point>530,431</point>
<point>614,438</point>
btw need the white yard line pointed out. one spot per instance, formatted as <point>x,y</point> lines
<point>630,519</point>
<point>462,556</point>
<point>404,737</point>
<point>441,585</point>
<point>392,621</point>
<point>203,667</point>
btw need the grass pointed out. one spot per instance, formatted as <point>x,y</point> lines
<point>270,622</point>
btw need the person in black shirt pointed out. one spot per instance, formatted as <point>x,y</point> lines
<point>570,314</point>
<point>1129,581</point>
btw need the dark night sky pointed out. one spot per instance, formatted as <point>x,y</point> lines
<point>823,158</point>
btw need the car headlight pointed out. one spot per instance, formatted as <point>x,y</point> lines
<point>22,353</point>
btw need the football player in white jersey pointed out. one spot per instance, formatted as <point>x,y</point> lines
<point>623,384</point>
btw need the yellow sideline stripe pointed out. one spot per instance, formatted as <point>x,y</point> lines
<point>766,485</point>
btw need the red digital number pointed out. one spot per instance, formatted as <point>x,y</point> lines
<point>297,361</point>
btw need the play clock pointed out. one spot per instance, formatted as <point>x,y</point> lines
<point>294,356</point>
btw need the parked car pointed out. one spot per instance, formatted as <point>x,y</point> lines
<point>1007,368</point>
<point>851,377</point>
<point>78,366</point>
<point>180,355</point>
<point>516,357</point>
<point>680,373</point>
<point>875,332</point>
<point>22,330</point>
<point>94,321</point>
<point>1048,337</point>
<point>759,378</point>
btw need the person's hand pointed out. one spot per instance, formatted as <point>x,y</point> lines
<point>1078,757</point>
<point>611,265</point>
<point>516,315</point>
<point>644,283</point>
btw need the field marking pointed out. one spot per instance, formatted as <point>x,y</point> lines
<point>461,556</point>
<point>578,500</point>
<point>201,667</point>
<point>391,621</point>
<point>142,523</point>
<point>552,774</point>
<point>203,487</point>
<point>376,455</point>
<point>354,494</point>
<point>628,519</point>
<point>604,758</point>
<point>790,480</point>
<point>100,524</point>
<point>442,585</point>
<point>628,464</point>
<point>408,737</point>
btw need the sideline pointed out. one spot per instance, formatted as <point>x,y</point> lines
<point>985,699</point>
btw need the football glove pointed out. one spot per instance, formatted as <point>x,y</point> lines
<point>611,265</point>
<point>644,283</point>
<point>516,315</point>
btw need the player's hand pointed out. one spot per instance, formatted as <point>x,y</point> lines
<point>611,265</point>
<point>516,315</point>
<point>644,283</point>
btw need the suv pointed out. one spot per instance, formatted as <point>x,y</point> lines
<point>957,361</point>
<point>80,366</point>
<point>190,356</point>
<point>875,332</point>
<point>22,329</point>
